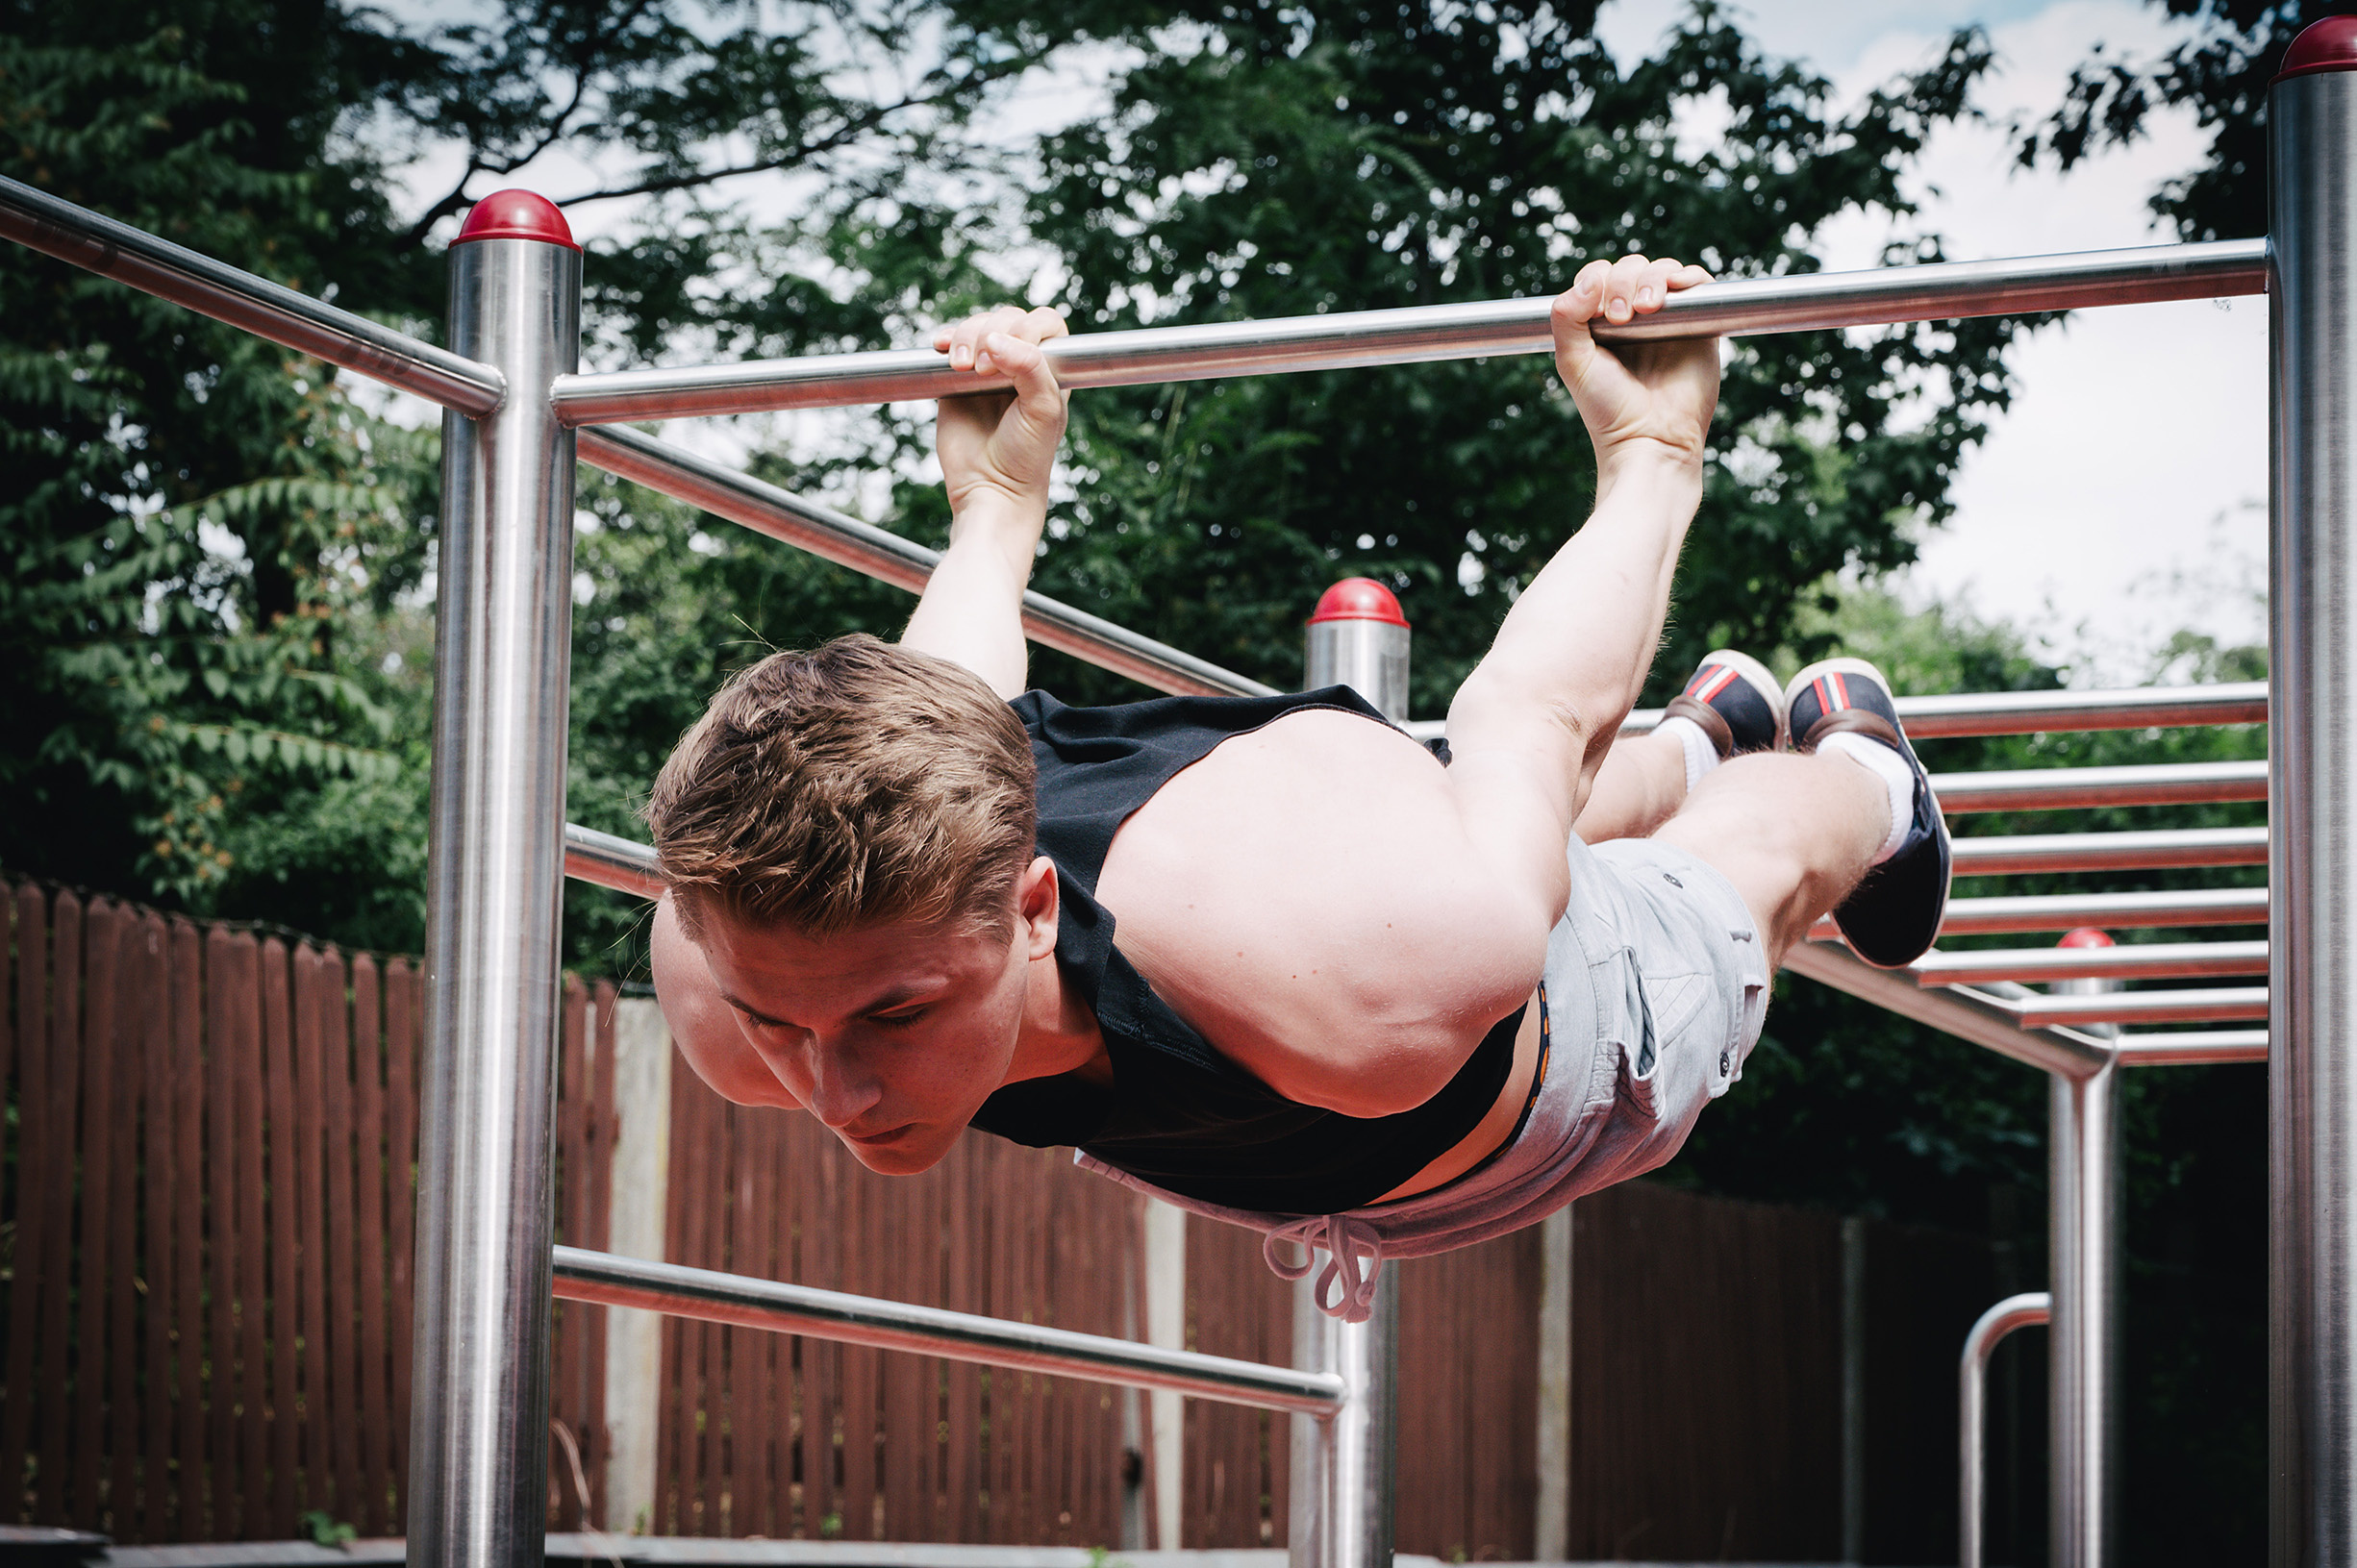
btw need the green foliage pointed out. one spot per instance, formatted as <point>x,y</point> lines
<point>2222,73</point>
<point>324,1530</point>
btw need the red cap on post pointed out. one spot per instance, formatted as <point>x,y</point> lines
<point>2328,45</point>
<point>516,214</point>
<point>2087,936</point>
<point>1358,599</point>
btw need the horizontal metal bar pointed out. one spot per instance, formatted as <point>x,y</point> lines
<point>1945,714</point>
<point>2192,1048</point>
<point>40,221</point>
<point>845,540</point>
<point>960,1336</point>
<point>2009,854</point>
<point>2120,911</point>
<point>2043,965</point>
<point>2228,1005</point>
<point>2050,790</point>
<point>1968,1015</point>
<point>1424,334</point>
<point>619,863</point>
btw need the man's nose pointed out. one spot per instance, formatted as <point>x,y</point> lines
<point>841,1089</point>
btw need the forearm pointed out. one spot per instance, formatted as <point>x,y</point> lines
<point>972,606</point>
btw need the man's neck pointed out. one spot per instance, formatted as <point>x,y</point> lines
<point>1060,1033</point>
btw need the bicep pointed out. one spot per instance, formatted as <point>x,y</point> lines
<point>971,614</point>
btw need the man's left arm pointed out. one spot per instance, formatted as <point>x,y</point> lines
<point>997,452</point>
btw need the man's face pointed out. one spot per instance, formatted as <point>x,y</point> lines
<point>892,1035</point>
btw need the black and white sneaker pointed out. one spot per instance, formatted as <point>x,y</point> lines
<point>1735,701</point>
<point>1892,917</point>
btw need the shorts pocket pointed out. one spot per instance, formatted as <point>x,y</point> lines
<point>1659,1008</point>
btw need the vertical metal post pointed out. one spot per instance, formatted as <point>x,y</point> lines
<point>1973,1416</point>
<point>2311,790</point>
<point>479,1405</point>
<point>1345,1479</point>
<point>1358,639</point>
<point>2083,1283</point>
<point>1343,1466</point>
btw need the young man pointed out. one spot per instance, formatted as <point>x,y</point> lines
<point>1267,957</point>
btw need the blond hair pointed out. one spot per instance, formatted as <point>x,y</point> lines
<point>856,784</point>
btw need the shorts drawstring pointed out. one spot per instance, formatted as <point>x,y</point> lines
<point>1348,1243</point>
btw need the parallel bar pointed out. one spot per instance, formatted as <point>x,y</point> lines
<point>2224,1004</point>
<point>626,867</point>
<point>2010,855</point>
<point>40,221</point>
<point>2192,1048</point>
<point>845,540</point>
<point>2063,911</point>
<point>709,1297</point>
<point>1425,333</point>
<point>1967,1014</point>
<point>2050,790</point>
<point>486,1181</point>
<point>2310,171</point>
<point>2044,966</point>
<point>2023,1311</point>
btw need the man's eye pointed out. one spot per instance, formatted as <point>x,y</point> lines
<point>901,1020</point>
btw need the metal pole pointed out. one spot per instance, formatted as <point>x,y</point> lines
<point>1343,1479</point>
<point>2311,1343</point>
<point>1973,1415</point>
<point>2083,1279</point>
<point>479,1406</point>
<point>1797,302</point>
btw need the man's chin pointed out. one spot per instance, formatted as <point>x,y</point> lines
<point>903,1152</point>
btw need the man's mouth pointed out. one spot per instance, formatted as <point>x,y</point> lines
<point>879,1140</point>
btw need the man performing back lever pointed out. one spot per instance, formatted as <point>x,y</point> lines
<point>1267,957</point>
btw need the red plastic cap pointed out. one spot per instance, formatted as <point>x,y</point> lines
<point>2328,45</point>
<point>2087,936</point>
<point>1358,599</point>
<point>516,214</point>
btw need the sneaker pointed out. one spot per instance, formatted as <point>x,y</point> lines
<point>1735,701</point>
<point>1892,917</point>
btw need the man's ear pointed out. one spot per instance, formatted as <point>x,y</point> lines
<point>1036,901</point>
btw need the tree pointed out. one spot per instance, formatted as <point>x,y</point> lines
<point>2221,74</point>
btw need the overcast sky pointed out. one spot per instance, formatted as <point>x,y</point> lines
<point>2122,496</point>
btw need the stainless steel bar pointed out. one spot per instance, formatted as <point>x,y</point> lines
<point>2006,855</point>
<point>1344,1477</point>
<point>845,540</point>
<point>40,221</point>
<point>2231,1003</point>
<point>1425,333</point>
<point>479,1403</point>
<point>2062,911</point>
<point>2041,965</point>
<point>2083,1185</point>
<point>583,1276</point>
<point>619,863</point>
<point>2192,1048</point>
<point>2022,1312</point>
<point>2050,790</point>
<point>1967,1014</point>
<point>2033,712</point>
<point>2312,1022</point>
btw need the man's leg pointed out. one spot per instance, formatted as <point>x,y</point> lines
<point>1794,834</point>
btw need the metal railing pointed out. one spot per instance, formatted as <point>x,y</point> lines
<point>485,1263</point>
<point>2025,1311</point>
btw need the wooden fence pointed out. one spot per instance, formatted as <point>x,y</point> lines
<point>206,1206</point>
<point>208,1200</point>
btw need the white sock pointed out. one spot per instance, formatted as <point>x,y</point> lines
<point>1892,769</point>
<point>1700,754</point>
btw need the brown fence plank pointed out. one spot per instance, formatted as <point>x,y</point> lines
<point>604,1123</point>
<point>185,1089</point>
<point>37,1170</point>
<point>404,1024</point>
<point>60,1201</point>
<point>281,1142</point>
<point>340,1326</point>
<point>19,1286</point>
<point>149,992</point>
<point>371,1512</point>
<point>248,1004</point>
<point>97,1283</point>
<point>752,1370</point>
<point>316,1445</point>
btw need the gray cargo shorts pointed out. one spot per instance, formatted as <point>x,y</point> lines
<point>1655,990</point>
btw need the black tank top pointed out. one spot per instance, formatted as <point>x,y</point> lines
<point>1178,1113</point>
